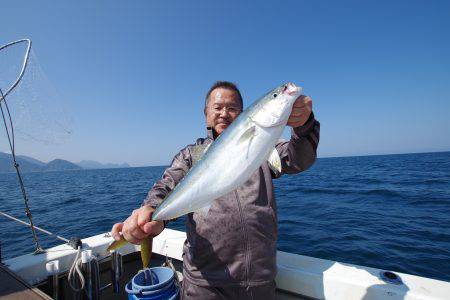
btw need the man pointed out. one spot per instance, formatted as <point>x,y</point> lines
<point>230,253</point>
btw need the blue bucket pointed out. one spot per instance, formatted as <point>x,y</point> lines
<point>163,286</point>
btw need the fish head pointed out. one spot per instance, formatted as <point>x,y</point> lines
<point>164,211</point>
<point>276,106</point>
<point>159,214</point>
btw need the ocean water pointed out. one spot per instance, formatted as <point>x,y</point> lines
<point>389,212</point>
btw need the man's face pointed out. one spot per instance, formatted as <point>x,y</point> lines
<point>222,109</point>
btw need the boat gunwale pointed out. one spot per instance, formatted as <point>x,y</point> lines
<point>300,275</point>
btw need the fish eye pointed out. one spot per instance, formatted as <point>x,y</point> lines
<point>275,95</point>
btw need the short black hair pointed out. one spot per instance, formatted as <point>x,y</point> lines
<point>226,85</point>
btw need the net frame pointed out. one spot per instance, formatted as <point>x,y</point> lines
<point>24,65</point>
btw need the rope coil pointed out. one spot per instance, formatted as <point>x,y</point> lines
<point>74,270</point>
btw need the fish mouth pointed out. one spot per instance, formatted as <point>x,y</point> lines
<point>290,89</point>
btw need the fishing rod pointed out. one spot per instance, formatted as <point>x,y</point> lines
<point>74,242</point>
<point>35,227</point>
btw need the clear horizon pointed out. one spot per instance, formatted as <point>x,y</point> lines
<point>134,75</point>
<point>162,165</point>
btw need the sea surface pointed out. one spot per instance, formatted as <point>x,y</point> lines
<point>389,212</point>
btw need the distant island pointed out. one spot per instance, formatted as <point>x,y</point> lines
<point>29,164</point>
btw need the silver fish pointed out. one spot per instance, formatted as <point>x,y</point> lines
<point>234,156</point>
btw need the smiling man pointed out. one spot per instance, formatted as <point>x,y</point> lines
<point>230,253</point>
<point>223,104</point>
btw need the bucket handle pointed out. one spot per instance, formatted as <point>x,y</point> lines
<point>168,287</point>
<point>140,290</point>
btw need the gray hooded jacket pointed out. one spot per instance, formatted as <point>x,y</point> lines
<point>235,243</point>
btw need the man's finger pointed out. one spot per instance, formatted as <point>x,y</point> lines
<point>294,119</point>
<point>131,232</point>
<point>303,101</point>
<point>299,104</point>
<point>153,228</point>
<point>129,227</point>
<point>133,227</point>
<point>137,232</point>
<point>295,123</point>
<point>300,98</point>
<point>299,111</point>
<point>131,238</point>
<point>144,215</point>
<point>115,231</point>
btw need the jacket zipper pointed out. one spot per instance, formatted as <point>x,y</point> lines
<point>244,229</point>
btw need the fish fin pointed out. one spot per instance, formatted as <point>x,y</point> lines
<point>204,210</point>
<point>247,137</point>
<point>248,134</point>
<point>274,161</point>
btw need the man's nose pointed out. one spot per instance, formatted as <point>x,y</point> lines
<point>223,112</point>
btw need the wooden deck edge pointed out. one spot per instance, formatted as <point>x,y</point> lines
<point>18,287</point>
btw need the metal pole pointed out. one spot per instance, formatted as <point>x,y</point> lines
<point>91,272</point>
<point>54,285</point>
<point>95,279</point>
<point>52,268</point>
<point>86,267</point>
<point>116,270</point>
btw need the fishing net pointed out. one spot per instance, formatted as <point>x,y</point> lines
<point>39,113</point>
<point>31,108</point>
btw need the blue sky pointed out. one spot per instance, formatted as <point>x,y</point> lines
<point>134,73</point>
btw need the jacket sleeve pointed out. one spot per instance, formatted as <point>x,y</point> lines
<point>179,167</point>
<point>300,152</point>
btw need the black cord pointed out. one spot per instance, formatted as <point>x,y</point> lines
<point>16,166</point>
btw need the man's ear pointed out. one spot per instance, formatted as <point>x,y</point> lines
<point>206,117</point>
<point>206,106</point>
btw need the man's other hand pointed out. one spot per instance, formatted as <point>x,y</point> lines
<point>301,110</point>
<point>138,226</point>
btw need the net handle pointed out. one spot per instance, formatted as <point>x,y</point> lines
<point>24,64</point>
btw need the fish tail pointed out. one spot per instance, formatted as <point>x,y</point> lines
<point>146,251</point>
